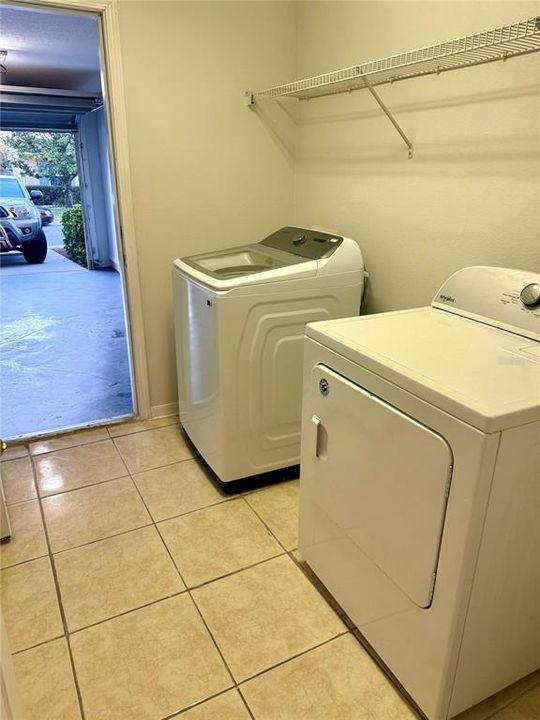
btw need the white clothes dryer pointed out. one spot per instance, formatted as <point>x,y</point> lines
<point>420,484</point>
<point>240,316</point>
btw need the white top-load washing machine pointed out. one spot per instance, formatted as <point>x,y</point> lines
<point>420,483</point>
<point>240,316</point>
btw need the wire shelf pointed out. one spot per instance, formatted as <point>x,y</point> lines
<point>498,44</point>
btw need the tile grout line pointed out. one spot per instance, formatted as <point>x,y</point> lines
<point>101,539</point>
<point>235,572</point>
<point>60,603</point>
<point>6,461</point>
<point>158,467</point>
<point>20,502</point>
<point>66,447</point>
<point>37,645</point>
<point>187,589</point>
<point>198,703</point>
<point>251,714</point>
<point>125,612</point>
<point>23,562</point>
<point>292,657</point>
<point>82,487</point>
<point>75,446</point>
<point>117,451</point>
<point>265,525</point>
<point>43,496</point>
<point>136,432</point>
<point>188,512</point>
<point>188,444</point>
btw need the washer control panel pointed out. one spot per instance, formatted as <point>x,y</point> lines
<point>307,243</point>
<point>502,297</point>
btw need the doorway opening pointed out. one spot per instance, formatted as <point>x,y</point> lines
<point>65,357</point>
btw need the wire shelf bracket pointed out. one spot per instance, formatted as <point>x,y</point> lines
<point>389,115</point>
<point>501,43</point>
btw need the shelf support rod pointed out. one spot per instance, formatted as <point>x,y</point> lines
<point>388,114</point>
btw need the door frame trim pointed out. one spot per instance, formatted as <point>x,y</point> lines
<point>113,92</point>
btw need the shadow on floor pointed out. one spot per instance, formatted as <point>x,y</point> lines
<point>13,263</point>
<point>63,350</point>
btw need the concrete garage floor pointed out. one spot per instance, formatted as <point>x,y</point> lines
<point>63,350</point>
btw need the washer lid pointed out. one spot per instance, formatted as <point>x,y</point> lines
<point>488,377</point>
<point>247,264</point>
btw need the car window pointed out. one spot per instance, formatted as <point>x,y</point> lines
<point>9,187</point>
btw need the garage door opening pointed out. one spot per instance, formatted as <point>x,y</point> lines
<point>43,166</point>
<point>65,359</point>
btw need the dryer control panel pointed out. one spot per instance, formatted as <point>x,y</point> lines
<point>309,244</point>
<point>501,297</point>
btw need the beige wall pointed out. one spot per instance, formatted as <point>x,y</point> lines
<point>470,195</point>
<point>206,171</point>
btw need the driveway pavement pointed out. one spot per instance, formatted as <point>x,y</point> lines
<point>54,233</point>
<point>63,350</point>
<point>13,263</point>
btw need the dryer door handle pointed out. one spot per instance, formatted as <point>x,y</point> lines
<point>321,438</point>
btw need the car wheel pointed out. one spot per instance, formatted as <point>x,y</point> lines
<point>36,250</point>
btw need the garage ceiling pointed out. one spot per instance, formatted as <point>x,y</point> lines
<point>50,49</point>
<point>53,72</point>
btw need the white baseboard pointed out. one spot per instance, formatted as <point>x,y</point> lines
<point>159,411</point>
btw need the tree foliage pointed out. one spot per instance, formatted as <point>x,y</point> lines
<point>7,156</point>
<point>44,154</point>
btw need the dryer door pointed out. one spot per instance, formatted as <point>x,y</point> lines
<point>380,478</point>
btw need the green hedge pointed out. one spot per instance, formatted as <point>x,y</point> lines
<point>72,223</point>
<point>54,195</point>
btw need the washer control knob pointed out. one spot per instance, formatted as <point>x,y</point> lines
<point>299,240</point>
<point>530,295</point>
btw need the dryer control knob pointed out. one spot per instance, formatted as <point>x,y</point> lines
<point>299,240</point>
<point>530,295</point>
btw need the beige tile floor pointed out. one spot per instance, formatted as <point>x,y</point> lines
<point>134,589</point>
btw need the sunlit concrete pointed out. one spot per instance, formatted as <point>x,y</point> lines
<point>63,350</point>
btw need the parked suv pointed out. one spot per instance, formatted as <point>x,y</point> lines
<point>21,220</point>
